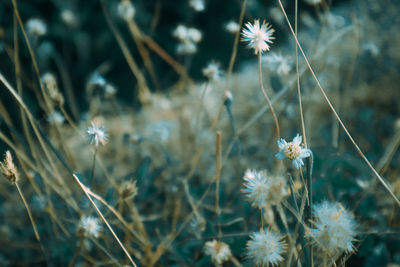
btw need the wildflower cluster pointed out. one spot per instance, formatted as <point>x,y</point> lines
<point>188,38</point>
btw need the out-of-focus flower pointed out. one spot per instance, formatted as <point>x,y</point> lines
<point>36,27</point>
<point>278,63</point>
<point>55,118</point>
<point>197,5</point>
<point>126,10</point>
<point>293,151</point>
<point>232,26</point>
<point>258,37</point>
<point>97,134</point>
<point>212,71</point>
<point>90,226</point>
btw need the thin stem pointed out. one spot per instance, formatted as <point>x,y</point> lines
<point>83,187</point>
<point>381,180</point>
<point>278,134</point>
<point>217,180</point>
<point>93,166</point>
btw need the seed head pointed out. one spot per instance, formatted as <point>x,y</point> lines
<point>335,228</point>
<point>258,37</point>
<point>263,190</point>
<point>8,169</point>
<point>197,5</point>
<point>126,10</point>
<point>97,134</point>
<point>293,151</point>
<point>90,226</point>
<point>265,248</point>
<point>36,27</point>
<point>232,27</point>
<point>212,71</point>
<point>219,252</point>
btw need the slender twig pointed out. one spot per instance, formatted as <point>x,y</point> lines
<point>217,180</point>
<point>385,185</point>
<point>93,166</point>
<point>278,134</point>
<point>83,187</point>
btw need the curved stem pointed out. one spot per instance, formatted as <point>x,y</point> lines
<point>278,134</point>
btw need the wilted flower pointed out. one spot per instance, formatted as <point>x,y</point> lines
<point>293,151</point>
<point>36,27</point>
<point>212,71</point>
<point>219,252</point>
<point>265,248</point>
<point>197,5</point>
<point>262,190</point>
<point>258,36</point>
<point>126,10</point>
<point>8,169</point>
<point>90,226</point>
<point>97,134</point>
<point>335,228</point>
<point>232,26</point>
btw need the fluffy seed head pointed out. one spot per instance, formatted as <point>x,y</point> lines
<point>219,252</point>
<point>197,5</point>
<point>212,71</point>
<point>258,37</point>
<point>232,27</point>
<point>335,228</point>
<point>97,134</point>
<point>126,10</point>
<point>90,226</point>
<point>266,248</point>
<point>36,27</point>
<point>263,190</point>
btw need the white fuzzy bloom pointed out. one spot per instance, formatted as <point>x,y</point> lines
<point>263,190</point>
<point>277,62</point>
<point>69,17</point>
<point>335,228</point>
<point>126,10</point>
<point>258,37</point>
<point>293,151</point>
<point>197,5</point>
<point>212,71</point>
<point>36,27</point>
<point>265,248</point>
<point>313,2</point>
<point>97,134</point>
<point>185,34</point>
<point>232,26</point>
<point>219,252</point>
<point>55,118</point>
<point>90,226</point>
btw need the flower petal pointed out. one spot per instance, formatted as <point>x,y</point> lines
<point>297,140</point>
<point>305,153</point>
<point>280,155</point>
<point>297,163</point>
<point>281,143</point>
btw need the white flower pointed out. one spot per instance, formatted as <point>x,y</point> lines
<point>262,190</point>
<point>219,252</point>
<point>126,10</point>
<point>212,71</point>
<point>90,226</point>
<point>232,27</point>
<point>36,27</point>
<point>313,2</point>
<point>97,134</point>
<point>258,36</point>
<point>335,228</point>
<point>194,35</point>
<point>293,151</point>
<point>197,5</point>
<point>265,248</point>
<point>185,34</point>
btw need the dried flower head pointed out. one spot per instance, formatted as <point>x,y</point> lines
<point>258,37</point>
<point>49,83</point>
<point>36,27</point>
<point>90,226</point>
<point>335,228</point>
<point>128,190</point>
<point>126,10</point>
<point>8,169</point>
<point>293,151</point>
<point>212,71</point>
<point>263,190</point>
<point>265,248</point>
<point>97,134</point>
<point>219,252</point>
